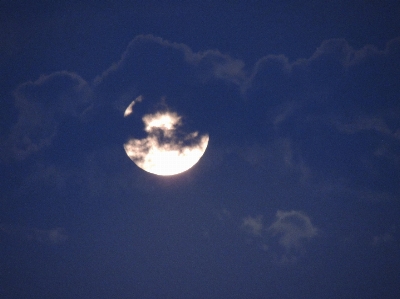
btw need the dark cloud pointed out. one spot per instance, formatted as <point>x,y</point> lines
<point>304,138</point>
<point>284,136</point>
<point>304,116</point>
<point>156,67</point>
<point>312,102</point>
<point>42,106</point>
<point>190,83</point>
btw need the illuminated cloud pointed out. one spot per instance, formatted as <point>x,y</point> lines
<point>129,109</point>
<point>292,229</point>
<point>164,121</point>
<point>211,63</point>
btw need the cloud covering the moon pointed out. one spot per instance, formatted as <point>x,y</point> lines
<point>162,152</point>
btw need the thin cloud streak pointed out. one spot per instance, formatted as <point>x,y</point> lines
<point>52,236</point>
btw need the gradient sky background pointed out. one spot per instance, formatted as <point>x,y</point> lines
<point>296,196</point>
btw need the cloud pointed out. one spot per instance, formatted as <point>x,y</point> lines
<point>191,82</point>
<point>390,137</point>
<point>293,229</point>
<point>319,104</point>
<point>332,65</point>
<point>129,109</point>
<point>253,225</point>
<point>278,157</point>
<point>149,63</point>
<point>42,105</point>
<point>369,123</point>
<point>52,236</point>
<point>383,239</point>
<point>293,116</point>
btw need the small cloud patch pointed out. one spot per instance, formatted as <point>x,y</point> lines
<point>286,237</point>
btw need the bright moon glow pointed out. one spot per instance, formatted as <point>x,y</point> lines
<point>161,152</point>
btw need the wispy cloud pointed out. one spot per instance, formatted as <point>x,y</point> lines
<point>369,123</point>
<point>51,236</point>
<point>253,225</point>
<point>383,239</point>
<point>291,230</point>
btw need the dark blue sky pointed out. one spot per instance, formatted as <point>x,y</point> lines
<point>296,196</point>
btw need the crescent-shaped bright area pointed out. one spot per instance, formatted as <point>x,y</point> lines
<point>165,158</point>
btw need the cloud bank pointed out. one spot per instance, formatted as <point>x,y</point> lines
<point>328,124</point>
<point>316,88</point>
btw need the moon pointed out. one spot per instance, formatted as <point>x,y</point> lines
<point>166,150</point>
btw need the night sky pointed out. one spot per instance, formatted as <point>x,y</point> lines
<point>296,196</point>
